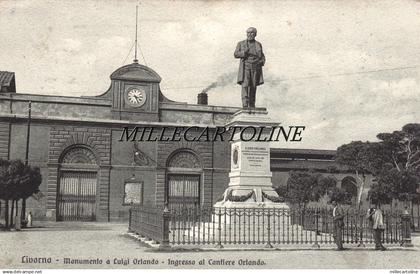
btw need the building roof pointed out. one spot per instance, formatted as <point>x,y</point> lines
<point>286,159</point>
<point>309,154</point>
<point>136,72</point>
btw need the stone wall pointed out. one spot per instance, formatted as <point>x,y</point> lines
<point>4,140</point>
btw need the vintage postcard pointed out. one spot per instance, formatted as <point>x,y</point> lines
<point>209,135</point>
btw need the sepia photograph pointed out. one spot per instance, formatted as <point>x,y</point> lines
<point>177,134</point>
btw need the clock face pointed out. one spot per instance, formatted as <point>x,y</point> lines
<point>135,97</point>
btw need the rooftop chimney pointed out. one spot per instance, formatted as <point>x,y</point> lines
<point>202,98</point>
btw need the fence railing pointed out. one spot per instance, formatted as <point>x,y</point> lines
<point>150,222</point>
<point>413,209</point>
<point>415,213</point>
<point>260,226</point>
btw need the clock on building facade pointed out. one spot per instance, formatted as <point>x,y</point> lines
<point>135,97</point>
<point>134,93</point>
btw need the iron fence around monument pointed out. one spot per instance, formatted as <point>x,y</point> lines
<point>148,221</point>
<point>263,227</point>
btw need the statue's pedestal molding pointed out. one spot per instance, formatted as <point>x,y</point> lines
<point>250,183</point>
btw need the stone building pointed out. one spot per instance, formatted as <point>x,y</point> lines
<point>89,174</point>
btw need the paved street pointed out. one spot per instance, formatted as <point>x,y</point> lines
<point>100,242</point>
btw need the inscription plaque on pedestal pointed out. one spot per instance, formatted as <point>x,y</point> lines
<point>250,176</point>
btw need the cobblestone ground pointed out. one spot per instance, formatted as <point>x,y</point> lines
<point>103,241</point>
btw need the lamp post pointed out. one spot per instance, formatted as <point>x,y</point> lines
<point>28,132</point>
<point>28,135</point>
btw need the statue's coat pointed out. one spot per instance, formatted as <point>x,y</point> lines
<point>240,53</point>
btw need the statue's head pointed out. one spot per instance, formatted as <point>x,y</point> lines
<point>251,33</point>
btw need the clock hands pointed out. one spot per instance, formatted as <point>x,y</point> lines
<point>136,97</point>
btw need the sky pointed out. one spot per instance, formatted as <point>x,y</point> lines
<point>347,70</point>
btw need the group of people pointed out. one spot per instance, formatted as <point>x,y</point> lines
<point>375,217</point>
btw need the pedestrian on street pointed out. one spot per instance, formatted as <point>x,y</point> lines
<point>29,218</point>
<point>376,220</point>
<point>338,219</point>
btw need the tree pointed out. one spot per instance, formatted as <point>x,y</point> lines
<point>400,174</point>
<point>379,194</point>
<point>394,160</point>
<point>394,184</point>
<point>402,148</point>
<point>28,183</point>
<point>305,187</point>
<point>362,158</point>
<point>17,181</point>
<point>5,189</point>
<point>339,195</point>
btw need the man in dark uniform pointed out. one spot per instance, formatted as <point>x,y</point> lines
<point>338,219</point>
<point>252,60</point>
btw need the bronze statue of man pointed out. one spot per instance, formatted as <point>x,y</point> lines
<point>252,60</point>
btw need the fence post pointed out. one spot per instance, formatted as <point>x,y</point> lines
<point>316,244</point>
<point>406,229</point>
<point>268,245</point>
<point>164,244</point>
<point>219,228</point>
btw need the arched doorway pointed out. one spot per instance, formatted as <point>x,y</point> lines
<point>184,179</point>
<point>76,194</point>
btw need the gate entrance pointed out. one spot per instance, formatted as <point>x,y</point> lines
<point>184,190</point>
<point>77,196</point>
<point>76,190</point>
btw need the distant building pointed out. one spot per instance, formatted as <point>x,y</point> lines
<point>88,174</point>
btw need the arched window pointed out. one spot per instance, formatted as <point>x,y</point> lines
<point>78,155</point>
<point>184,159</point>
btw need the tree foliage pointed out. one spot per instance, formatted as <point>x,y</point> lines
<point>394,160</point>
<point>305,187</point>
<point>340,195</point>
<point>360,157</point>
<point>402,148</point>
<point>17,181</point>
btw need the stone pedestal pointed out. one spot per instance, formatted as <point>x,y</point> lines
<point>250,183</point>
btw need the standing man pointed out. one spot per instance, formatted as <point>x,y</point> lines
<point>252,60</point>
<point>376,219</point>
<point>338,219</point>
<point>29,218</point>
